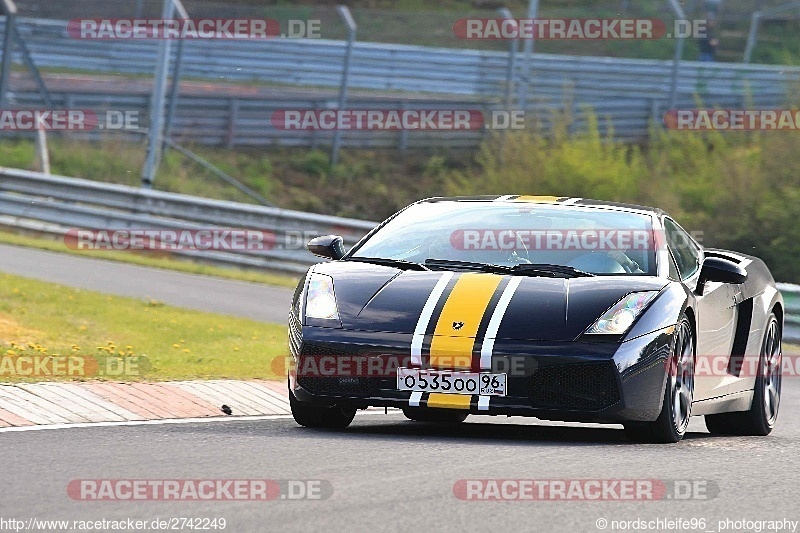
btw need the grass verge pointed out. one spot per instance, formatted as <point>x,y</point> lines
<point>142,259</point>
<point>96,336</point>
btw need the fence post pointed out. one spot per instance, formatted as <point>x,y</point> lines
<point>10,11</point>
<point>156,138</point>
<point>755,20</point>
<point>351,36</point>
<point>525,75</point>
<point>512,59</point>
<point>673,89</point>
<point>176,74</point>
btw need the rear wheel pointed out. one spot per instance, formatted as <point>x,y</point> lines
<point>760,418</point>
<point>671,424</point>
<point>320,416</point>
<point>440,416</point>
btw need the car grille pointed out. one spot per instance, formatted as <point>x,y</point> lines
<point>338,386</point>
<point>334,385</point>
<point>585,386</point>
<point>319,350</point>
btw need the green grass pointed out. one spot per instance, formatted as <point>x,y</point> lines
<point>151,260</point>
<point>166,343</point>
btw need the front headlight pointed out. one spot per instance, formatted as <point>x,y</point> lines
<point>320,298</point>
<point>618,319</point>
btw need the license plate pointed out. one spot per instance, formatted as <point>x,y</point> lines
<point>483,383</point>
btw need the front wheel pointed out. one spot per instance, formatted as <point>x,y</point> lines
<point>763,413</point>
<point>320,416</point>
<point>676,409</point>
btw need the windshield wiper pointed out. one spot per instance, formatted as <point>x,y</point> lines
<point>385,261</point>
<point>564,270</point>
<point>466,265</point>
<point>524,269</point>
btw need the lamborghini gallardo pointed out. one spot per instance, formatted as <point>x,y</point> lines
<point>555,308</point>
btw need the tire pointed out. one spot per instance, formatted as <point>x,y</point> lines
<point>438,416</point>
<point>760,419</point>
<point>320,416</point>
<point>676,409</point>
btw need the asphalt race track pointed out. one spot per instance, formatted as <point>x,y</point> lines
<point>203,293</point>
<point>388,474</point>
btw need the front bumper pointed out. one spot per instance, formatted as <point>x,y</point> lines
<point>568,381</point>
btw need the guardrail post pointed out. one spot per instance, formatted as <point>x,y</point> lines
<point>42,151</point>
<point>10,11</point>
<point>314,133</point>
<point>156,138</point>
<point>233,118</point>
<point>347,17</point>
<point>403,131</point>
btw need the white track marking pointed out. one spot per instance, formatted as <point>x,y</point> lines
<point>171,421</point>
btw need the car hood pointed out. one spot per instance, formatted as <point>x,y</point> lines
<point>379,298</point>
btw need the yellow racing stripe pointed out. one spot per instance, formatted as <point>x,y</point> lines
<point>449,401</point>
<point>543,199</point>
<point>454,336</point>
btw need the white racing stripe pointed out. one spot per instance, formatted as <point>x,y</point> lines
<point>483,403</point>
<point>416,397</point>
<point>494,323</point>
<point>425,318</point>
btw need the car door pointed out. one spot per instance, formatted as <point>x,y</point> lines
<point>716,316</point>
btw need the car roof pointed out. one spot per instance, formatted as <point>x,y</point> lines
<point>552,200</point>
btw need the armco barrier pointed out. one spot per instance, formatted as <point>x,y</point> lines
<point>31,199</point>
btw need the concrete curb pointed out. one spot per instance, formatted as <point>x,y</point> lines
<point>29,404</point>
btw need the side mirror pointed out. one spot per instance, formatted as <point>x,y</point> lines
<point>720,270</point>
<point>328,246</point>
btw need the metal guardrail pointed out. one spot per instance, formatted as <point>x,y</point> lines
<point>319,62</point>
<point>628,93</point>
<point>57,204</point>
<point>245,121</point>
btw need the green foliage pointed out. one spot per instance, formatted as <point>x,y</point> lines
<point>741,191</point>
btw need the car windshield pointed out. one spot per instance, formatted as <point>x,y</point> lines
<point>464,234</point>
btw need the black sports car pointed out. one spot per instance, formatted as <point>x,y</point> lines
<point>556,308</point>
